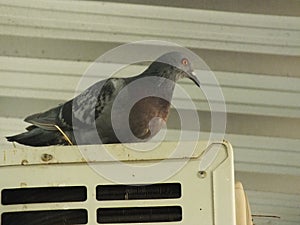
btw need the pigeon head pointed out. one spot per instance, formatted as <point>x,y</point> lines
<point>179,64</point>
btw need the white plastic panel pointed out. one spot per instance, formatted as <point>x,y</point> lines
<point>201,195</point>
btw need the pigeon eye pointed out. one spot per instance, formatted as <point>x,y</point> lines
<point>184,61</point>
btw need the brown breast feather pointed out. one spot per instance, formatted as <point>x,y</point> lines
<point>148,116</point>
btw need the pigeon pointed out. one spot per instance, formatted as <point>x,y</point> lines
<point>114,110</point>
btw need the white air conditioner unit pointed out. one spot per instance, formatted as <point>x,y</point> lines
<point>84,185</point>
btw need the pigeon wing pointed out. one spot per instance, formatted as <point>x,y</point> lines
<point>83,110</point>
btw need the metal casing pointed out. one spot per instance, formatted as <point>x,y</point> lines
<point>207,197</point>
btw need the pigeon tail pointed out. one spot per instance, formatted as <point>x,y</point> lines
<point>38,137</point>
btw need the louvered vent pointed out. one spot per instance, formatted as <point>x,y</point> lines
<point>44,195</point>
<point>138,214</point>
<point>131,192</point>
<point>49,217</point>
<point>69,195</point>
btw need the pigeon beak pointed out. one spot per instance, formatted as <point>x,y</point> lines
<point>193,77</point>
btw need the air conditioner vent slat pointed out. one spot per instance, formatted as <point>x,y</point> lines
<point>43,195</point>
<point>49,217</point>
<point>139,214</point>
<point>130,192</point>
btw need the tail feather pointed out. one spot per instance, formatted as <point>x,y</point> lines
<point>38,137</point>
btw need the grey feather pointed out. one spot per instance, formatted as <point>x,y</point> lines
<point>92,108</point>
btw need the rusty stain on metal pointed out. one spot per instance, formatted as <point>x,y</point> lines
<point>24,162</point>
<point>23,184</point>
<point>46,157</point>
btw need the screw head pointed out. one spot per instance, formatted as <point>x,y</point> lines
<point>46,157</point>
<point>202,174</point>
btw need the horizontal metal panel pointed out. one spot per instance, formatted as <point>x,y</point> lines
<point>125,23</point>
<point>58,79</point>
<point>66,68</point>
<point>280,208</point>
<point>265,154</point>
<point>26,85</point>
<point>275,199</point>
<point>272,221</point>
<point>80,51</point>
<point>279,7</point>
